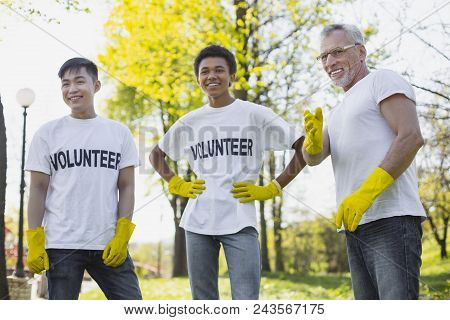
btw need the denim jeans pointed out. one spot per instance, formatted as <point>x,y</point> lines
<point>243,257</point>
<point>385,258</point>
<point>66,271</point>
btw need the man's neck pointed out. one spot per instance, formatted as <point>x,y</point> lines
<point>362,73</point>
<point>221,101</point>
<point>84,115</point>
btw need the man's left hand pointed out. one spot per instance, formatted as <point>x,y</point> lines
<point>356,204</point>
<point>247,192</point>
<point>116,250</point>
<point>351,210</point>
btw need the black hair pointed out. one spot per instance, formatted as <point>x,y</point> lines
<point>75,64</point>
<point>215,51</point>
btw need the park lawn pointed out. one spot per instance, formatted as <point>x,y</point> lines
<point>435,272</point>
<point>273,286</point>
<point>435,283</point>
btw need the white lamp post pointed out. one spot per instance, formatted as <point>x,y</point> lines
<point>25,97</point>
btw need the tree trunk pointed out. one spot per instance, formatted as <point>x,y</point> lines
<point>179,268</point>
<point>444,250</point>
<point>263,226</point>
<point>241,12</point>
<point>442,242</point>
<point>4,294</point>
<point>279,261</point>
<point>276,217</point>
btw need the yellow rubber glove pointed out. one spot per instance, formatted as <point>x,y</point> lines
<point>246,191</point>
<point>356,204</point>
<point>187,189</point>
<point>37,259</point>
<point>116,250</point>
<point>313,127</point>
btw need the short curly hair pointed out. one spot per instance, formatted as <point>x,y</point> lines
<point>215,51</point>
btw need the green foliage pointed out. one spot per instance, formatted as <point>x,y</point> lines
<point>273,46</point>
<point>152,44</point>
<point>434,176</point>
<point>146,255</point>
<point>314,246</point>
<point>373,58</point>
<point>151,49</point>
<point>31,10</point>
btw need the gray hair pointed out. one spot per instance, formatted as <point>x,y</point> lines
<point>351,30</point>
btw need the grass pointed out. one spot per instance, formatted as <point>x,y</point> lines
<point>273,286</point>
<point>435,283</point>
<point>435,273</point>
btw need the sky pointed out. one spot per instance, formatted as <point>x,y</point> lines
<point>31,54</point>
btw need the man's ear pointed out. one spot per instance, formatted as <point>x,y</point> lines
<point>362,53</point>
<point>232,79</point>
<point>97,86</point>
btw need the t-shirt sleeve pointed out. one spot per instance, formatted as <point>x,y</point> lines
<point>129,155</point>
<point>278,134</point>
<point>175,139</point>
<point>388,83</point>
<point>38,158</point>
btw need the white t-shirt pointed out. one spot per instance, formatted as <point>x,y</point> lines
<point>223,146</point>
<point>83,159</point>
<point>360,138</point>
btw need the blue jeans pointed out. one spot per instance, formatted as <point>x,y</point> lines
<point>66,271</point>
<point>385,258</point>
<point>243,257</point>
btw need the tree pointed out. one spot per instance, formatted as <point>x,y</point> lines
<point>31,10</point>
<point>434,176</point>
<point>435,197</point>
<point>265,264</point>
<point>4,294</point>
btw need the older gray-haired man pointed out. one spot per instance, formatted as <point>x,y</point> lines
<point>372,137</point>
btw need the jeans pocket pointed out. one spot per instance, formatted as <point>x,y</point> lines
<point>58,259</point>
<point>250,231</point>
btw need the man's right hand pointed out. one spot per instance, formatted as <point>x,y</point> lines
<point>187,189</point>
<point>37,259</point>
<point>313,124</point>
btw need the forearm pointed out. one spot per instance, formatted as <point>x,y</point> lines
<point>159,163</point>
<point>401,153</point>
<point>36,207</point>
<point>312,160</point>
<point>126,202</point>
<point>294,167</point>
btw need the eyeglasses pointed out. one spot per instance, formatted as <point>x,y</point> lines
<point>335,53</point>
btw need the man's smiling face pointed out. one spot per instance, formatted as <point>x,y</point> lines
<point>78,89</point>
<point>214,76</point>
<point>344,69</point>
